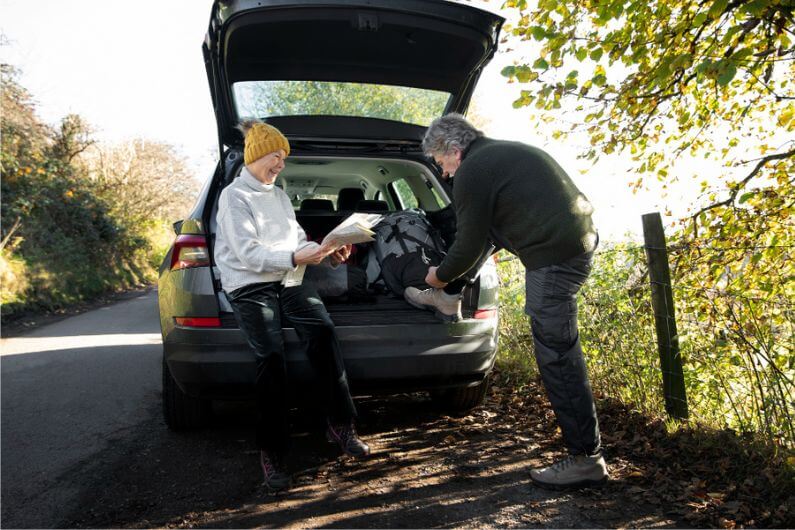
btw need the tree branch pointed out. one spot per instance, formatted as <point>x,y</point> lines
<point>14,228</point>
<point>740,185</point>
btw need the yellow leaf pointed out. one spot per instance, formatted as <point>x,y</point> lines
<point>786,116</point>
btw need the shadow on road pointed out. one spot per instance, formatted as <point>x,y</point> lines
<point>427,470</point>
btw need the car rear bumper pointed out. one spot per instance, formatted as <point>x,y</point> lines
<point>219,364</point>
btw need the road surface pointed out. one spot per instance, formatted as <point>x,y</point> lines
<point>69,390</point>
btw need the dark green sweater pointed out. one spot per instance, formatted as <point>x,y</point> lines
<point>522,194</point>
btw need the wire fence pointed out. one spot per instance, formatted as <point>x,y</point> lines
<point>726,325</point>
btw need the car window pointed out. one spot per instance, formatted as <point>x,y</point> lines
<point>297,198</point>
<point>404,193</point>
<point>440,202</point>
<point>261,99</point>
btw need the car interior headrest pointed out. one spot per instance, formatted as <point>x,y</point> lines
<point>372,206</point>
<point>348,198</point>
<point>323,205</point>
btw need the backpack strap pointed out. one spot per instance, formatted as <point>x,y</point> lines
<point>401,238</point>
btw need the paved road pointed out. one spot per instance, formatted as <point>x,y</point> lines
<point>69,390</point>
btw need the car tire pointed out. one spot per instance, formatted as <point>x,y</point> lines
<point>181,411</point>
<point>463,399</point>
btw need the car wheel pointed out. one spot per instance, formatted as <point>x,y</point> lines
<point>463,399</point>
<point>180,410</point>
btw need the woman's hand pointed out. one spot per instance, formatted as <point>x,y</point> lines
<point>341,255</point>
<point>310,255</point>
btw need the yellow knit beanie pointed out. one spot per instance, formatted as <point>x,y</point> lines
<point>262,139</point>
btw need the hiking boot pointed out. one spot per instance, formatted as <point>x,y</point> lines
<point>446,306</point>
<point>575,471</point>
<point>344,435</point>
<point>276,478</point>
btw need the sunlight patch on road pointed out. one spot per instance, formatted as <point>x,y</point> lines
<point>21,345</point>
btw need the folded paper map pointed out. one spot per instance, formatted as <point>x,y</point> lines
<point>353,230</point>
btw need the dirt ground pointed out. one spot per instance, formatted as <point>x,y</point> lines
<point>428,469</point>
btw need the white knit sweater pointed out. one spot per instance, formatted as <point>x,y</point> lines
<point>257,233</point>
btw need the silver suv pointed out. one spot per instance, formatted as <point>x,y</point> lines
<point>352,84</point>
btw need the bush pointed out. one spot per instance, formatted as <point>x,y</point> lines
<point>515,358</point>
<point>71,232</point>
<point>736,345</point>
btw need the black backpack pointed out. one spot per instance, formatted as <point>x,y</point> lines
<point>405,245</point>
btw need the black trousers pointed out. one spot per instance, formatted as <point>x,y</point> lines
<point>456,286</point>
<point>552,306</point>
<point>261,310</point>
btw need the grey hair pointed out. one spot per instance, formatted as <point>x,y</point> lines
<point>448,132</point>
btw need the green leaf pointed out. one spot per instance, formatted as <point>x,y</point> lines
<point>581,54</point>
<point>755,7</point>
<point>703,66</point>
<point>540,64</point>
<point>600,78</point>
<point>538,32</point>
<point>745,196</point>
<point>508,71</point>
<point>596,54</point>
<point>698,20</point>
<point>525,74</point>
<point>682,61</point>
<point>663,71</point>
<point>727,74</point>
<point>742,53</point>
<point>717,8</point>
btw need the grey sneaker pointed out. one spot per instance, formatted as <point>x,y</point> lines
<point>446,306</point>
<point>575,471</point>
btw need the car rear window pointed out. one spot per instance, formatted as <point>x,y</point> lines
<point>262,99</point>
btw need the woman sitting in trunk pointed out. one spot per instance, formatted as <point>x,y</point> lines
<point>258,241</point>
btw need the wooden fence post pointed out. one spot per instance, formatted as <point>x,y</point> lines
<point>662,301</point>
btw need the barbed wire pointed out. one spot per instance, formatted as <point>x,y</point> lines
<point>672,249</point>
<point>614,250</point>
<point>724,294</point>
<point>677,248</point>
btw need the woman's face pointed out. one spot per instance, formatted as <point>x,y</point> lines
<point>267,168</point>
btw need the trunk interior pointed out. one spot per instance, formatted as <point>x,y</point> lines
<point>314,185</point>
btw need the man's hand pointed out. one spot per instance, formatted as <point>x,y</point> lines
<point>341,255</point>
<point>432,280</point>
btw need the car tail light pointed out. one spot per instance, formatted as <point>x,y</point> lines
<point>199,322</point>
<point>485,313</point>
<point>189,251</point>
